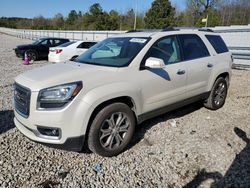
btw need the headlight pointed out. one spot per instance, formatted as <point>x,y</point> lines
<point>58,96</point>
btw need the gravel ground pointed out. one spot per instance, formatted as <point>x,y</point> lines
<point>190,147</point>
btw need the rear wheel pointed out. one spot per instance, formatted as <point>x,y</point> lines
<point>218,94</point>
<point>111,130</point>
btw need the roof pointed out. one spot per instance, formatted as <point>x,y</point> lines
<point>150,33</point>
<point>44,38</point>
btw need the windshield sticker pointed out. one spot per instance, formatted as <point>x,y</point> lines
<point>138,40</point>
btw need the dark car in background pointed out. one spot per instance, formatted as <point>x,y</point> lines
<point>39,49</point>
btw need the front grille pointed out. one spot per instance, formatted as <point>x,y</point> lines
<point>22,100</point>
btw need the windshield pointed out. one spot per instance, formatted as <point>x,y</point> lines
<point>113,52</point>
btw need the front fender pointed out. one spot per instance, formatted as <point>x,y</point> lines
<point>104,93</point>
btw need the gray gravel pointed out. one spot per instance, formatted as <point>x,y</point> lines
<point>191,147</point>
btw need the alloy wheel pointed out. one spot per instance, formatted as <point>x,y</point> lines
<point>113,130</point>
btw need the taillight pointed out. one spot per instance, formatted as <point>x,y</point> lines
<point>58,51</point>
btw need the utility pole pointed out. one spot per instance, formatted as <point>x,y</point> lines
<point>136,9</point>
<point>206,20</point>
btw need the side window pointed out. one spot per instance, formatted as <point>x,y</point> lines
<point>193,47</point>
<point>50,43</point>
<point>166,49</point>
<point>218,43</point>
<point>57,42</point>
<point>45,42</point>
<point>86,45</point>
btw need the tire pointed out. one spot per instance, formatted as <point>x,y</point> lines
<point>217,95</point>
<point>107,136</point>
<point>32,55</point>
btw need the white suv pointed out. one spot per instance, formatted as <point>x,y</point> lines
<point>100,97</point>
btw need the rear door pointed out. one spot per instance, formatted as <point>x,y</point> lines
<point>198,61</point>
<point>162,87</point>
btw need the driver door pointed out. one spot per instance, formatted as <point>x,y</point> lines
<point>165,86</point>
<point>44,47</point>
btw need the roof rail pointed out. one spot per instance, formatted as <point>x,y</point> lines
<point>205,29</point>
<point>143,30</point>
<point>170,29</point>
<point>134,31</point>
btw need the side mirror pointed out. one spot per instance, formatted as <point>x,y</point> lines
<point>155,63</point>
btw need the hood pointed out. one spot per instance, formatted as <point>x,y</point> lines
<point>62,73</point>
<point>25,46</point>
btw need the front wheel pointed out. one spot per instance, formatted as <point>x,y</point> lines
<point>32,55</point>
<point>111,130</point>
<point>218,95</point>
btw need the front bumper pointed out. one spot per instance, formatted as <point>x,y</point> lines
<point>19,53</point>
<point>71,120</point>
<point>71,143</point>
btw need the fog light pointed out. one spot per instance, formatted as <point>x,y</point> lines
<point>48,131</point>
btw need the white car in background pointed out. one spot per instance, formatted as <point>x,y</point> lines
<point>68,50</point>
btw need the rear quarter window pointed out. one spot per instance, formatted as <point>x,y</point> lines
<point>217,43</point>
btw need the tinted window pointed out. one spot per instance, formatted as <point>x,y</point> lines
<point>57,42</point>
<point>218,44</point>
<point>66,44</point>
<point>166,49</point>
<point>86,45</point>
<point>45,42</point>
<point>193,47</point>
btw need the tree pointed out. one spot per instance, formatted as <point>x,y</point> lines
<point>95,9</point>
<point>95,17</point>
<point>58,21</point>
<point>40,22</point>
<point>236,12</point>
<point>160,15</point>
<point>114,19</point>
<point>72,17</point>
<point>127,20</point>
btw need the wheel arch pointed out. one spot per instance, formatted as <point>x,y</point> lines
<point>223,74</point>
<point>120,99</point>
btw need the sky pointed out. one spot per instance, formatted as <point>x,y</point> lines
<point>48,8</point>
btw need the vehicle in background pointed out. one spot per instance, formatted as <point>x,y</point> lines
<point>69,50</point>
<point>38,49</point>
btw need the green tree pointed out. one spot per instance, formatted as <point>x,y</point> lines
<point>72,17</point>
<point>114,20</point>
<point>160,15</point>
<point>95,9</point>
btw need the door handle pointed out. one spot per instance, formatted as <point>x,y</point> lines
<point>210,65</point>
<point>180,72</point>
